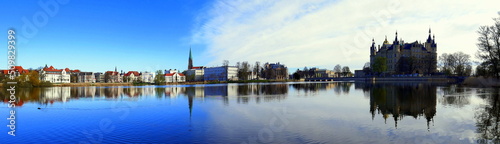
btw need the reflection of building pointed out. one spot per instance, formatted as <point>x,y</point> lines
<point>413,100</point>
<point>174,91</point>
<point>422,56</point>
<point>56,94</point>
<point>222,73</point>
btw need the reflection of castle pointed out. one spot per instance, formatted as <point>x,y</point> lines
<point>414,100</point>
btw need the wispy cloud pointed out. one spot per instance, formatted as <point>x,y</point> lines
<point>325,33</point>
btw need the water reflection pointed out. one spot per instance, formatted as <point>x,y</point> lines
<point>488,116</point>
<point>455,96</point>
<point>386,102</point>
<point>401,100</point>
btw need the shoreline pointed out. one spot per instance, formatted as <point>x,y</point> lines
<point>469,82</point>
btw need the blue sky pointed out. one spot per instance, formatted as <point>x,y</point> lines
<point>151,34</point>
<point>99,35</point>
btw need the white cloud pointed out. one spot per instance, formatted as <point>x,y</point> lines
<point>324,33</point>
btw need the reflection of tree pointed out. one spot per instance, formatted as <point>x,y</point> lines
<point>488,118</point>
<point>343,87</point>
<point>455,96</point>
<point>262,92</point>
<point>400,100</point>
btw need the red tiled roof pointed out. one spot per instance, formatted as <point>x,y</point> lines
<point>132,72</point>
<point>171,74</point>
<point>51,68</point>
<point>19,69</point>
<point>112,72</point>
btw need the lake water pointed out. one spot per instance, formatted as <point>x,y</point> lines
<point>334,112</point>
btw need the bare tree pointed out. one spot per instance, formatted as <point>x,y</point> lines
<point>456,63</point>
<point>338,70</point>
<point>489,48</point>
<point>346,71</point>
<point>225,63</point>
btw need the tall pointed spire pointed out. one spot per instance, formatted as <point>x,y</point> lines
<point>429,40</point>
<point>115,69</point>
<point>396,39</point>
<point>190,61</point>
<point>190,56</point>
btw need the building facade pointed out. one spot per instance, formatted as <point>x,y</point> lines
<point>195,74</point>
<point>275,71</point>
<point>148,77</point>
<point>53,75</point>
<point>175,77</point>
<point>132,76</point>
<point>112,77</point>
<point>15,71</point>
<point>86,77</point>
<point>401,57</point>
<point>222,73</point>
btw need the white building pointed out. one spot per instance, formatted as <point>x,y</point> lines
<point>222,73</point>
<point>196,74</point>
<point>148,77</point>
<point>86,77</point>
<point>132,76</point>
<point>53,75</point>
<point>175,77</point>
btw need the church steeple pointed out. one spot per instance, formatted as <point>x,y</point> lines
<point>190,61</point>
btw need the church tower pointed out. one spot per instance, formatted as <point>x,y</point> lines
<point>190,61</point>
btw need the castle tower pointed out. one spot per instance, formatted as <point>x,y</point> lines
<point>373,49</point>
<point>190,61</point>
<point>396,42</point>
<point>428,42</point>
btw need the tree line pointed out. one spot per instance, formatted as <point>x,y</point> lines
<point>489,50</point>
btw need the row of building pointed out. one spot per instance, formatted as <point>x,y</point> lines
<point>220,73</point>
<point>274,71</point>
<point>53,75</point>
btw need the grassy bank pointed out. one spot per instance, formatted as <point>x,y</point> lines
<point>481,82</point>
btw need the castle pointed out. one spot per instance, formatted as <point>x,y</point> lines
<point>406,58</point>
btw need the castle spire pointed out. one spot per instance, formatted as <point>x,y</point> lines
<point>396,39</point>
<point>429,40</point>
<point>385,41</point>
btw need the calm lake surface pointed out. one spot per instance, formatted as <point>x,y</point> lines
<point>334,112</point>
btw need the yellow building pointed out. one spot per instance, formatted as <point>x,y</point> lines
<point>407,58</point>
